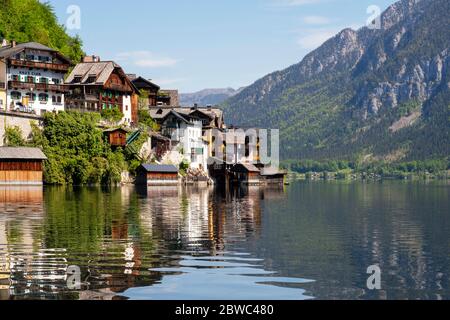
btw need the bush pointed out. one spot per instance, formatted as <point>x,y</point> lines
<point>13,137</point>
<point>76,151</point>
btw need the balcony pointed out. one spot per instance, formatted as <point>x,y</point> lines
<point>39,65</point>
<point>38,86</point>
<point>117,87</point>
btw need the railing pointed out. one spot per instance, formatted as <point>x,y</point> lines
<point>40,65</point>
<point>38,86</point>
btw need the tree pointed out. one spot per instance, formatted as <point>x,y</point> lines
<point>14,137</point>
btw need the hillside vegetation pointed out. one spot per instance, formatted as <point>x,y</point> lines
<point>33,21</point>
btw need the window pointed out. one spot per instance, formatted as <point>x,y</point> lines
<point>15,95</point>
<point>15,77</point>
<point>43,80</point>
<point>31,96</point>
<point>30,57</point>
<point>43,97</point>
<point>56,81</point>
<point>77,79</point>
<point>54,99</point>
<point>30,79</point>
<point>126,108</point>
<point>59,99</point>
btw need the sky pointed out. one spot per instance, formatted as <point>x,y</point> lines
<point>191,45</point>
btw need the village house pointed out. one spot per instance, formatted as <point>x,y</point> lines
<point>32,78</point>
<point>169,98</point>
<point>97,85</point>
<point>186,133</point>
<point>157,175</point>
<point>148,87</point>
<point>21,166</point>
<point>211,118</point>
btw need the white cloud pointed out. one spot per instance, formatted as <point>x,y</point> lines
<point>316,20</point>
<point>146,59</point>
<point>314,38</point>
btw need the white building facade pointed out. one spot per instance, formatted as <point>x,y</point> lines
<point>34,78</point>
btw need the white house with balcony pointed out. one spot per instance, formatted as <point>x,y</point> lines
<point>32,78</point>
<point>186,134</point>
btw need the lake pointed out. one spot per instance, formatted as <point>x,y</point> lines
<point>309,240</point>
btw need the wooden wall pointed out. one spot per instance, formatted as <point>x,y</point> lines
<point>21,172</point>
<point>117,138</point>
<point>162,176</point>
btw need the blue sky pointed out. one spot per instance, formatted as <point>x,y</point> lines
<point>196,44</point>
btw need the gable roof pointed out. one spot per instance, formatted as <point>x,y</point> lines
<point>270,171</point>
<point>249,167</point>
<point>211,113</point>
<point>176,115</point>
<point>9,51</point>
<point>100,70</point>
<point>21,153</point>
<point>115,129</point>
<point>160,168</point>
<point>140,82</point>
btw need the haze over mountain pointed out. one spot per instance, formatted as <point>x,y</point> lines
<point>369,94</point>
<point>208,96</point>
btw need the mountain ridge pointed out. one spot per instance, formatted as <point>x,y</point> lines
<point>341,96</point>
<point>211,96</point>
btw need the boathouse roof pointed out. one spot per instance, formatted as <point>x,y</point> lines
<point>21,153</point>
<point>160,168</point>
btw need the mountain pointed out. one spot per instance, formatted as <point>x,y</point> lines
<point>375,95</point>
<point>208,96</point>
<point>33,21</point>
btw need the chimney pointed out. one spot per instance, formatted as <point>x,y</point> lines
<point>13,44</point>
<point>5,43</point>
<point>92,58</point>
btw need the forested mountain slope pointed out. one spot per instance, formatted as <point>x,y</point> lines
<point>367,94</point>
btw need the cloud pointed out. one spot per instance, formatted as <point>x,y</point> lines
<point>314,38</point>
<point>316,20</point>
<point>146,59</point>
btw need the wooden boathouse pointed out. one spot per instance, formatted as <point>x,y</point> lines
<point>157,175</point>
<point>21,166</point>
<point>116,137</point>
<point>245,173</point>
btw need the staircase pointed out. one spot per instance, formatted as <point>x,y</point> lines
<point>131,147</point>
<point>134,136</point>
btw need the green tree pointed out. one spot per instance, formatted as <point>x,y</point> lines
<point>13,137</point>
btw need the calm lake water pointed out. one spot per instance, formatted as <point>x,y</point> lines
<point>311,240</point>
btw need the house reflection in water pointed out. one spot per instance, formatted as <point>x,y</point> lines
<point>115,236</point>
<point>21,208</point>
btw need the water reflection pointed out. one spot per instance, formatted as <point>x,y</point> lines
<point>253,243</point>
<point>124,238</point>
